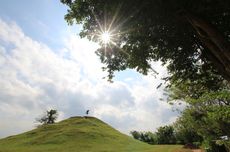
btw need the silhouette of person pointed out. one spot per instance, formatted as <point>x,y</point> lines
<point>87,112</point>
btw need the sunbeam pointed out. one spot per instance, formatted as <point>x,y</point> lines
<point>105,37</point>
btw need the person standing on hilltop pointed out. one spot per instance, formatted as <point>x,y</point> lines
<point>87,112</point>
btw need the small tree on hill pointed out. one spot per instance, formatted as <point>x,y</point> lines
<point>49,118</point>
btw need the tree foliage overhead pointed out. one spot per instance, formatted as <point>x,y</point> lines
<point>191,37</point>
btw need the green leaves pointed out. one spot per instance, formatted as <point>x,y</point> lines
<point>209,115</point>
<point>49,118</point>
<point>151,31</point>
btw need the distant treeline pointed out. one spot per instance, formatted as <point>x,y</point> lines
<point>168,134</point>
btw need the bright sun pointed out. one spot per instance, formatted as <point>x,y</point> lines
<point>106,37</point>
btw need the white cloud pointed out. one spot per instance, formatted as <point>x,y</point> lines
<point>34,78</point>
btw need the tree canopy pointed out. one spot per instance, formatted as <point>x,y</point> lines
<point>49,118</point>
<point>191,37</point>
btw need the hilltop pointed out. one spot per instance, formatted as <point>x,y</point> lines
<point>78,134</point>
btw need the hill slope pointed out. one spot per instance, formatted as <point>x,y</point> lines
<point>77,134</point>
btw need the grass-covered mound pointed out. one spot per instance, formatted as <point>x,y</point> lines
<point>78,134</point>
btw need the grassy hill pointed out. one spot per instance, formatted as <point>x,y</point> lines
<point>79,134</point>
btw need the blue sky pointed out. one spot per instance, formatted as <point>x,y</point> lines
<point>42,20</point>
<point>44,64</point>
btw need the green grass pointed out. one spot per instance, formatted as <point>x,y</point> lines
<point>79,134</point>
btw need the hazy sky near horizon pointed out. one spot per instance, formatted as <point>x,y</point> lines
<point>44,64</point>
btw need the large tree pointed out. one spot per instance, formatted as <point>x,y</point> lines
<point>207,112</point>
<point>209,117</point>
<point>190,36</point>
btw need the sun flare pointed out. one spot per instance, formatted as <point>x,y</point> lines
<point>106,37</point>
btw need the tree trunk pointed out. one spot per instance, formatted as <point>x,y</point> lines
<point>218,48</point>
